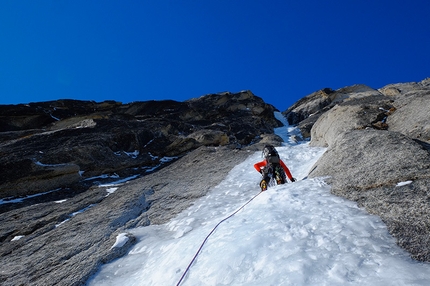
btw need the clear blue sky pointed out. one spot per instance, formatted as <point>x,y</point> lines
<point>155,49</point>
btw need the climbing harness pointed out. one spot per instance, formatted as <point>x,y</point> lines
<point>207,237</point>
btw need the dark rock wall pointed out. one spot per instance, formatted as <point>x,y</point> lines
<point>66,136</point>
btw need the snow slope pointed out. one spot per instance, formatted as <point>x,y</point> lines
<point>292,234</point>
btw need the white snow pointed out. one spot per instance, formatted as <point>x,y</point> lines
<point>152,156</point>
<point>47,165</point>
<point>82,210</point>
<point>56,118</point>
<point>150,141</point>
<point>167,159</point>
<point>133,154</point>
<point>403,183</point>
<point>20,200</point>
<point>75,213</point>
<point>13,201</point>
<point>18,237</point>
<point>121,239</point>
<point>292,234</point>
<point>104,176</point>
<point>121,181</point>
<point>111,191</point>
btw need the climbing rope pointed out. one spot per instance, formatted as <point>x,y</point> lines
<point>207,237</point>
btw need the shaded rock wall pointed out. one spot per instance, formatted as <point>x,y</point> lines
<point>46,144</point>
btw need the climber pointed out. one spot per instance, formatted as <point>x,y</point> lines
<point>272,167</point>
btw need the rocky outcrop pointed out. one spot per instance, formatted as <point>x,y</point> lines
<point>412,101</point>
<point>60,211</point>
<point>378,156</point>
<point>306,111</point>
<point>48,145</point>
<point>353,114</point>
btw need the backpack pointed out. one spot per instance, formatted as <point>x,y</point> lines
<point>271,155</point>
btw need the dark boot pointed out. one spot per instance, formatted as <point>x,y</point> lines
<point>279,175</point>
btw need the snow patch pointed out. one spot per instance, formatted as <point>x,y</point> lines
<point>150,141</point>
<point>55,118</point>
<point>152,156</point>
<point>121,239</point>
<point>133,154</point>
<point>104,176</point>
<point>403,183</point>
<point>48,165</point>
<point>120,181</point>
<point>75,213</point>
<point>20,200</point>
<point>18,237</point>
<point>111,191</point>
<point>167,159</point>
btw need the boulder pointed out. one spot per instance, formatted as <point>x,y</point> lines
<point>412,115</point>
<point>366,159</point>
<point>354,114</point>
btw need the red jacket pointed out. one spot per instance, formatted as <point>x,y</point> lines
<point>260,165</point>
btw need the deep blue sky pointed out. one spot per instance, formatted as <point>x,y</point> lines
<point>142,50</point>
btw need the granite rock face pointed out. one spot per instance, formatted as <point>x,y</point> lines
<point>48,145</point>
<point>306,111</point>
<point>63,240</point>
<point>378,155</point>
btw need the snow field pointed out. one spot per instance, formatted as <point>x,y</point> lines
<point>292,234</point>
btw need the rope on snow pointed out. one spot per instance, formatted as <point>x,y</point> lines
<point>207,237</point>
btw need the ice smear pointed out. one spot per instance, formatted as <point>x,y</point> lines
<point>133,154</point>
<point>104,176</point>
<point>20,200</point>
<point>119,181</point>
<point>73,214</point>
